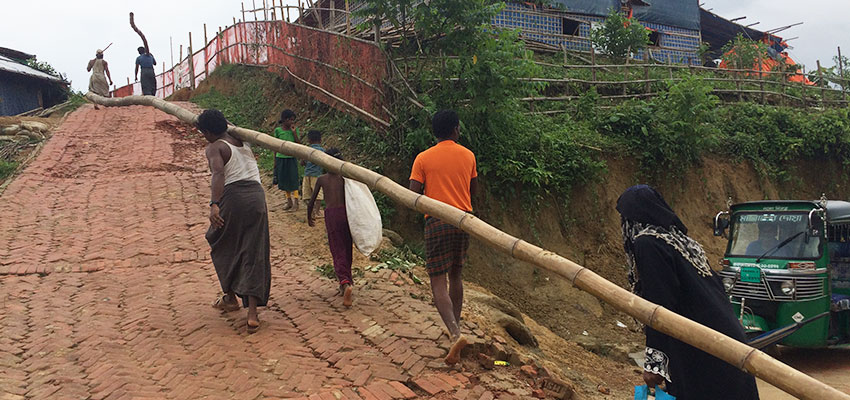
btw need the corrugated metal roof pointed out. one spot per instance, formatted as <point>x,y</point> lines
<point>6,64</point>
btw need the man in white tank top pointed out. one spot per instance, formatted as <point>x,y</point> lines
<point>239,223</point>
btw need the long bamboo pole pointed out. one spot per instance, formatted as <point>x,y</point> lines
<point>659,318</point>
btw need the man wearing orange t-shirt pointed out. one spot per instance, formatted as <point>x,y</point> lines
<point>447,172</point>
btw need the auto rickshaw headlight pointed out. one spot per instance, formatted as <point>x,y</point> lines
<point>788,288</point>
<point>728,283</point>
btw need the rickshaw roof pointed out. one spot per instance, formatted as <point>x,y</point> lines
<point>837,211</point>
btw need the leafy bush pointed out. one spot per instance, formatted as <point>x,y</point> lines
<point>619,36</point>
<point>744,53</point>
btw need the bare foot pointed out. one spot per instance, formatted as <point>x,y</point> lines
<point>347,296</point>
<point>454,353</point>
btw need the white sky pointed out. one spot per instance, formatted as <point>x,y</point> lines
<point>66,33</point>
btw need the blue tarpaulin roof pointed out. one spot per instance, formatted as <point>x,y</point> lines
<point>678,13</point>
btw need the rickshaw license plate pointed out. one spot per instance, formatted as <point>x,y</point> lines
<point>750,275</point>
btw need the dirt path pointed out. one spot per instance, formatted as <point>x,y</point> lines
<point>106,288</point>
<point>830,366</point>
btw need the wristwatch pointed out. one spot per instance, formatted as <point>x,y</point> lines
<point>214,202</point>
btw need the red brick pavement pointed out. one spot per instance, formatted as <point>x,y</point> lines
<point>120,195</point>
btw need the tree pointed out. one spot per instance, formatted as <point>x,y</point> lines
<point>619,36</point>
<point>744,53</point>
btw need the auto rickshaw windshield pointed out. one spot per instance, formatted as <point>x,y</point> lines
<point>764,235</point>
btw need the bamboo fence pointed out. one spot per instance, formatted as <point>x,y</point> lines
<point>741,84</point>
<point>721,346</point>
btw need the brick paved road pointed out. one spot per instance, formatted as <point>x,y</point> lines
<point>106,289</point>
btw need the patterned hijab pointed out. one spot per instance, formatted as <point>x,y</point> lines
<point>644,212</point>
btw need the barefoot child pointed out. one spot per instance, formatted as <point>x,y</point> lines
<point>446,172</point>
<point>336,223</point>
<point>312,172</point>
<point>285,167</point>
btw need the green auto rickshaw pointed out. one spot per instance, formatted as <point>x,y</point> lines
<point>787,270</point>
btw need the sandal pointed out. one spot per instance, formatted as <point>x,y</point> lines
<point>222,304</point>
<point>250,328</point>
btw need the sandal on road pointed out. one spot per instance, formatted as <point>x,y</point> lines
<point>222,304</point>
<point>252,328</point>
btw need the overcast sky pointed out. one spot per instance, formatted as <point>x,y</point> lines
<point>67,33</point>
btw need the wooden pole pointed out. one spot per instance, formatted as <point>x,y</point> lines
<point>225,58</point>
<point>191,64</point>
<point>841,75</point>
<point>659,318</point>
<point>206,56</point>
<point>300,19</point>
<point>347,18</point>
<point>784,83</point>
<point>288,19</point>
<point>274,11</point>
<point>822,86</point>
<point>592,62</point>
<point>265,11</point>
<point>332,22</point>
<point>761,77</point>
<point>243,12</point>
<point>803,88</point>
<point>648,87</point>
<point>236,35</point>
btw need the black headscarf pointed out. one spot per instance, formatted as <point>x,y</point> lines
<point>643,204</point>
<point>645,213</point>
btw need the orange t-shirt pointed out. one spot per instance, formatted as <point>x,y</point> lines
<point>446,170</point>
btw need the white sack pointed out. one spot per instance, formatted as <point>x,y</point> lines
<point>364,219</point>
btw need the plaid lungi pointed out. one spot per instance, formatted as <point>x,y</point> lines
<point>445,246</point>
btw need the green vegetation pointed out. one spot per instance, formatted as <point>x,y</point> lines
<point>245,106</point>
<point>7,168</point>
<point>327,271</point>
<point>535,149</point>
<point>619,36</point>
<point>400,259</point>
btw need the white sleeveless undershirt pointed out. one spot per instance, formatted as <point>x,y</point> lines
<point>242,166</point>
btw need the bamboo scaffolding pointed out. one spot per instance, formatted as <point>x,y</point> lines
<point>659,318</point>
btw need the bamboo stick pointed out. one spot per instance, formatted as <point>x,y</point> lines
<point>841,74</point>
<point>191,64</point>
<point>822,85</point>
<point>336,98</point>
<point>761,77</point>
<point>727,349</point>
<point>206,56</point>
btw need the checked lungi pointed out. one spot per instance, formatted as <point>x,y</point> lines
<point>445,246</point>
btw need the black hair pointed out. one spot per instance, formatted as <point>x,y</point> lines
<point>444,123</point>
<point>212,121</point>
<point>334,152</point>
<point>314,136</point>
<point>141,50</point>
<point>286,114</point>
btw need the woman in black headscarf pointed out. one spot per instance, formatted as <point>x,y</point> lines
<point>669,268</point>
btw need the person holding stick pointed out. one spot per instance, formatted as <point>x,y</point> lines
<point>670,269</point>
<point>446,172</point>
<point>146,61</point>
<point>97,82</point>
